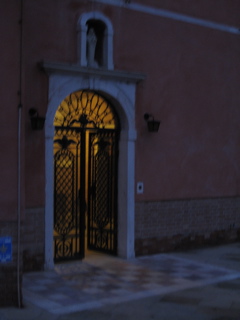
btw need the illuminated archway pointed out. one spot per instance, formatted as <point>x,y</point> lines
<point>85,176</point>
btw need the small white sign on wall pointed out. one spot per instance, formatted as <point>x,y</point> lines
<point>140,188</point>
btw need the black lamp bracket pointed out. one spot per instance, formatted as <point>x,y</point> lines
<point>153,125</point>
<point>37,122</point>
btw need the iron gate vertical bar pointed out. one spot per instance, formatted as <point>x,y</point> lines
<point>82,192</point>
<point>115,170</point>
<point>90,188</point>
<point>77,238</point>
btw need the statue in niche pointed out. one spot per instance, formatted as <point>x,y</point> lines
<point>91,48</point>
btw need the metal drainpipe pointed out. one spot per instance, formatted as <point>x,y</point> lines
<point>19,209</point>
<point>19,196</point>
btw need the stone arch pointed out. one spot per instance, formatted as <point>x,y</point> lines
<point>122,96</point>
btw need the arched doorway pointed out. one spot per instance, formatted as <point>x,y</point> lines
<point>121,91</point>
<point>85,176</point>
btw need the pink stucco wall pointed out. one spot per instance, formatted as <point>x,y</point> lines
<point>222,11</point>
<point>9,65</point>
<point>191,86</point>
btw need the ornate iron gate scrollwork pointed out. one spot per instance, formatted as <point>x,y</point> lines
<point>85,163</point>
<point>102,219</point>
<point>66,204</point>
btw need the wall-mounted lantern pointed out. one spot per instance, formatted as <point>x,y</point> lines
<point>153,125</point>
<point>37,122</point>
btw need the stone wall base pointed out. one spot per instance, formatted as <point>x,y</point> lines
<point>183,242</point>
<point>185,224</point>
<point>33,239</point>
<point>9,286</point>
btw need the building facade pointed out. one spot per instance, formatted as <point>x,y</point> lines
<point>81,169</point>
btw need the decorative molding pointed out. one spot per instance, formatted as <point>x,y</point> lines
<point>124,76</point>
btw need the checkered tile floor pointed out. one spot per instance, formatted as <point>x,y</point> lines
<point>100,280</point>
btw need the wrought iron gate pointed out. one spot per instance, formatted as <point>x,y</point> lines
<point>85,182</point>
<point>102,192</point>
